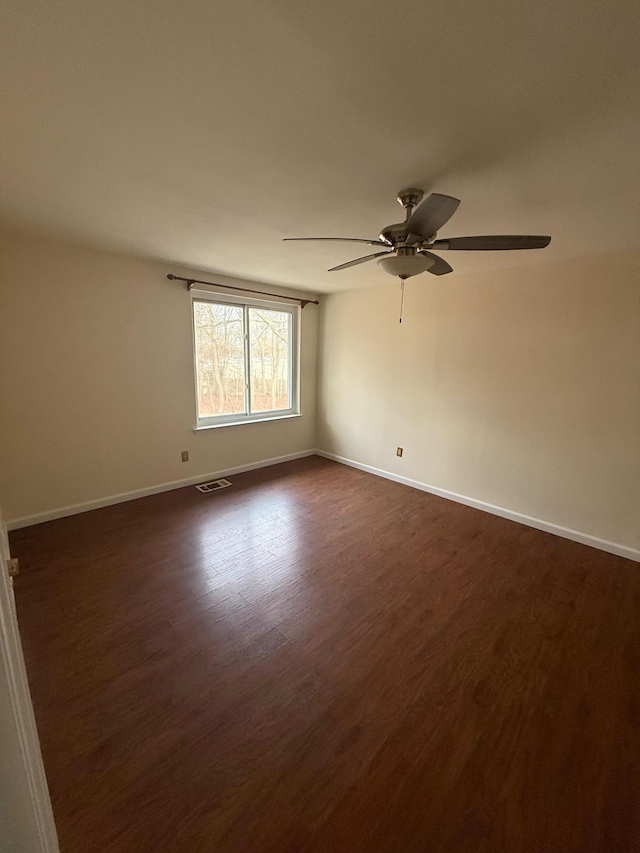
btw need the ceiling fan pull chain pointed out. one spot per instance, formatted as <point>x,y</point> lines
<point>401,297</point>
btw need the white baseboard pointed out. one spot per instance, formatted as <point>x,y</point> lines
<point>74,509</point>
<point>538,523</point>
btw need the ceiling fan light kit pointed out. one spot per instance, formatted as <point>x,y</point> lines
<point>405,262</point>
<point>408,245</point>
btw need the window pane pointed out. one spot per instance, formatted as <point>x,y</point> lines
<point>219,338</point>
<point>269,349</point>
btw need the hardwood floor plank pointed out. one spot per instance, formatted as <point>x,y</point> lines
<point>318,660</point>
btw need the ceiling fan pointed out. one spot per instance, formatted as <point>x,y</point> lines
<point>407,245</point>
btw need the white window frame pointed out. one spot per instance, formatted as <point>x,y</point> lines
<point>294,360</point>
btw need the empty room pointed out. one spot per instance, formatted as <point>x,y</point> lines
<point>320,427</point>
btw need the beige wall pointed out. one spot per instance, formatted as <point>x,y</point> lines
<point>96,380</point>
<point>520,388</point>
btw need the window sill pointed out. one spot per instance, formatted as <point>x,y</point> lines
<point>247,421</point>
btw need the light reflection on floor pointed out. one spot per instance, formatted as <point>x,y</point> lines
<point>248,546</point>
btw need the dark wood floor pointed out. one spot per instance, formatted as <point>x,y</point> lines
<point>320,660</point>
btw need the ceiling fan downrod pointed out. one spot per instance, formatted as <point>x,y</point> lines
<point>409,199</point>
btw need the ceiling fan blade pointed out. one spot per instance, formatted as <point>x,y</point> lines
<point>431,214</point>
<point>359,261</point>
<point>340,239</point>
<point>440,266</point>
<point>497,242</point>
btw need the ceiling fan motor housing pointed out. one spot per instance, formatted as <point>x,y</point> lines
<point>396,233</point>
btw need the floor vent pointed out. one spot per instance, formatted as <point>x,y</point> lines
<point>213,486</point>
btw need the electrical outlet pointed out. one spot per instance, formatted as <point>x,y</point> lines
<point>185,455</point>
<point>399,451</point>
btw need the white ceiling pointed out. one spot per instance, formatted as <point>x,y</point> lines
<point>203,132</point>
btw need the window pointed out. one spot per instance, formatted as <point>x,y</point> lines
<point>246,361</point>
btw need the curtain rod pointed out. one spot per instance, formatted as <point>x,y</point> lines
<point>191,281</point>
